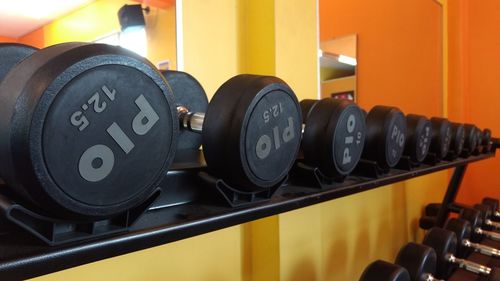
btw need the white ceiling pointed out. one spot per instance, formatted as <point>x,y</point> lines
<point>19,17</point>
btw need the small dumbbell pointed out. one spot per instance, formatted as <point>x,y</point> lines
<point>334,135</point>
<point>384,271</point>
<point>435,258</point>
<point>251,129</point>
<point>486,212</point>
<point>444,242</point>
<point>462,229</point>
<point>419,260</point>
<point>493,203</point>
<point>476,220</point>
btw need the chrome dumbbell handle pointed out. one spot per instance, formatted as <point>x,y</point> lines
<point>192,121</point>
<point>469,265</point>
<point>429,277</point>
<point>483,249</point>
<point>496,214</point>
<point>489,234</point>
<point>495,225</point>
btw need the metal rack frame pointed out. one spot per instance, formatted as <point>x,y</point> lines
<point>23,256</point>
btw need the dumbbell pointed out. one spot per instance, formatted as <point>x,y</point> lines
<point>87,131</point>
<point>471,140</point>
<point>418,137</point>
<point>11,54</point>
<point>384,271</point>
<point>444,242</point>
<point>479,148</point>
<point>457,141</point>
<point>483,140</point>
<point>441,137</point>
<point>487,140</point>
<point>385,136</point>
<point>419,260</point>
<point>476,220</point>
<point>493,203</point>
<point>250,131</point>
<point>486,213</point>
<point>423,262</point>
<point>334,135</point>
<point>462,229</point>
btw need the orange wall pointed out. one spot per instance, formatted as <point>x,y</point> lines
<point>478,92</point>
<point>400,63</point>
<point>399,50</point>
<point>35,38</point>
<point>7,39</point>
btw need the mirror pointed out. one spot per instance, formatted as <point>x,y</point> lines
<point>338,60</point>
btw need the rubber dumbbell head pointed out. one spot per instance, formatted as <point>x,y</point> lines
<point>457,140</point>
<point>462,230</point>
<point>334,135</point>
<point>384,271</point>
<point>385,136</point>
<point>444,242</point>
<point>250,131</point>
<point>418,137</point>
<point>441,137</point>
<point>418,259</point>
<point>78,124</point>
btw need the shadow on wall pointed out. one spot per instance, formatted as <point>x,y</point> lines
<point>304,270</point>
<point>339,248</point>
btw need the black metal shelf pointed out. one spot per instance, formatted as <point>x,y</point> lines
<point>179,213</point>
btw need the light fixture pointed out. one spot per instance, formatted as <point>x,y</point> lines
<point>347,60</point>
<point>131,16</point>
<point>133,25</point>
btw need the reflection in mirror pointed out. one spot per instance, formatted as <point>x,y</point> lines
<point>338,62</point>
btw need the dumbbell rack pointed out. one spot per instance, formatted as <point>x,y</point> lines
<point>189,207</point>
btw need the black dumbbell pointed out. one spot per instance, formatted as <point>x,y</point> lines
<point>457,141</point>
<point>479,148</point>
<point>334,135</point>
<point>441,137</point>
<point>471,140</point>
<point>251,129</point>
<point>419,260</point>
<point>12,54</point>
<point>486,212</point>
<point>444,242</point>
<point>462,229</point>
<point>493,203</point>
<point>487,144</point>
<point>418,137</point>
<point>384,271</point>
<point>476,220</point>
<point>435,258</point>
<point>385,136</point>
<point>87,131</point>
